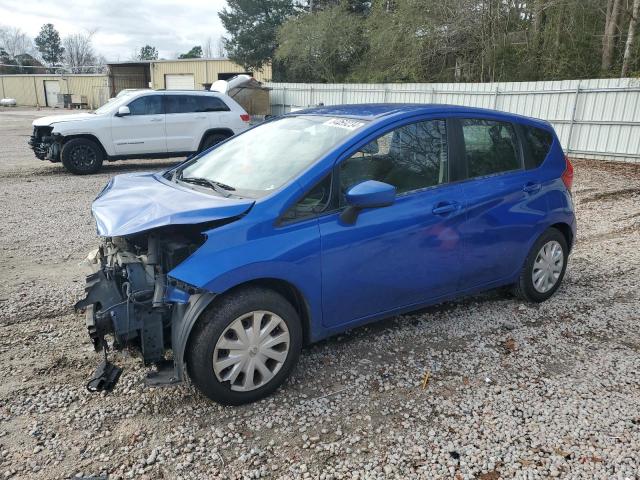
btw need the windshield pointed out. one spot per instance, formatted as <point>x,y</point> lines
<point>120,99</point>
<point>268,156</point>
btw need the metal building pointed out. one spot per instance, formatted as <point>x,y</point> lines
<point>96,89</point>
<point>43,90</point>
<point>187,74</point>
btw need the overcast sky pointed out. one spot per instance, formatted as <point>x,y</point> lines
<point>122,25</point>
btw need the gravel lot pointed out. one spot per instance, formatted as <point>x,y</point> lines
<point>513,390</point>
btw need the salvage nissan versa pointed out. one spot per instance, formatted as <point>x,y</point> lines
<point>222,267</point>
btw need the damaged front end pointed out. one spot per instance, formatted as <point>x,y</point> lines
<point>45,144</point>
<point>149,225</point>
<point>131,300</point>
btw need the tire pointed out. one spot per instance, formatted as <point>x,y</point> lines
<point>82,156</point>
<point>211,140</point>
<point>528,290</point>
<point>218,327</point>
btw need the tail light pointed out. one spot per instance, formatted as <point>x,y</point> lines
<point>245,117</point>
<point>567,175</point>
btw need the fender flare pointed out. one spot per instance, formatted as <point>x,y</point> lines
<point>215,131</point>
<point>183,318</point>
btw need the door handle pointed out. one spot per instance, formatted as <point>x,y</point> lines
<point>202,117</point>
<point>443,208</point>
<point>531,187</point>
<point>156,119</point>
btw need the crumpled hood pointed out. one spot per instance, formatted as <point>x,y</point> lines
<point>138,202</point>
<point>45,121</point>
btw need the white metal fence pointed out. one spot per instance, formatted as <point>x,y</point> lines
<point>593,118</point>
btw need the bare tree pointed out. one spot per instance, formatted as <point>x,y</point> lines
<point>207,51</point>
<point>610,29</point>
<point>635,11</point>
<point>219,49</point>
<point>79,53</point>
<point>213,48</point>
<point>15,42</point>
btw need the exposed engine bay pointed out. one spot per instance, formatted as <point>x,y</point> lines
<point>44,144</point>
<point>127,293</point>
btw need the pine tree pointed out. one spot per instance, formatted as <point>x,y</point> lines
<point>148,53</point>
<point>49,45</point>
<point>195,52</point>
<point>252,27</point>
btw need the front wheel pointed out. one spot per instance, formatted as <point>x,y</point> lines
<point>82,156</point>
<point>244,346</point>
<point>544,267</point>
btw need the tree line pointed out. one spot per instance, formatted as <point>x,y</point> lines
<point>434,41</point>
<point>75,53</point>
<point>48,53</point>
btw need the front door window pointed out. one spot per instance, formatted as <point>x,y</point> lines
<point>410,158</point>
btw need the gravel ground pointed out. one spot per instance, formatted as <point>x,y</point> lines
<point>484,388</point>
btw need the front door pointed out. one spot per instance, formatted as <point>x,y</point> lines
<point>143,131</point>
<point>402,255</point>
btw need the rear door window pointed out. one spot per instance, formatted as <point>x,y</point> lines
<point>194,104</point>
<point>538,142</point>
<point>491,147</point>
<point>147,105</point>
<point>181,103</point>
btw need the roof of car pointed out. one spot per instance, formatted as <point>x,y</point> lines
<point>191,92</point>
<point>372,111</point>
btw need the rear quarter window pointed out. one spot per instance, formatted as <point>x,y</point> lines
<point>538,142</point>
<point>211,104</point>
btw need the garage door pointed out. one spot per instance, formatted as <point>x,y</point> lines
<point>51,91</point>
<point>179,81</point>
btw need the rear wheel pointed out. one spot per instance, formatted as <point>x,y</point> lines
<point>212,140</point>
<point>544,267</point>
<point>244,347</point>
<point>82,156</point>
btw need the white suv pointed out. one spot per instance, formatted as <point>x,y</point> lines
<point>139,124</point>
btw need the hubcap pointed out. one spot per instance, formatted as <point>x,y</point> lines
<point>251,350</point>
<point>547,266</point>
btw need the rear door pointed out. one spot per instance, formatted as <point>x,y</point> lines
<point>401,255</point>
<point>184,123</point>
<point>189,117</point>
<point>143,131</point>
<point>503,200</point>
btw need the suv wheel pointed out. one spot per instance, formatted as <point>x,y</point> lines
<point>212,140</point>
<point>82,156</point>
<point>544,267</point>
<point>244,346</point>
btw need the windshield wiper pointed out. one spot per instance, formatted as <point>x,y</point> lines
<point>221,188</point>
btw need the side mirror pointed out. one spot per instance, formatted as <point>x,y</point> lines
<point>368,194</point>
<point>123,111</point>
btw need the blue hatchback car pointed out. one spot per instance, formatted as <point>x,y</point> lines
<point>316,222</point>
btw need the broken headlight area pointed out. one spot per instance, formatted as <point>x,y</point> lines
<point>45,144</point>
<point>129,298</point>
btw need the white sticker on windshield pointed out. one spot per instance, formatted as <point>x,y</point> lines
<point>344,123</point>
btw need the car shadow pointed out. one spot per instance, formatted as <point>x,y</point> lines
<point>380,327</point>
